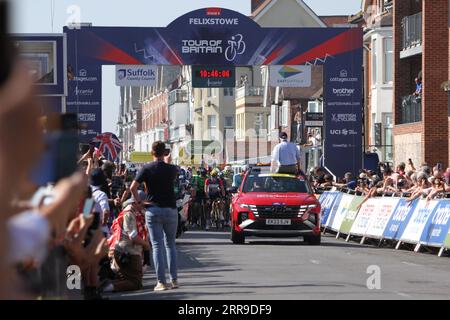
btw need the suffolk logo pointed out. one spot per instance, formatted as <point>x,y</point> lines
<point>122,74</point>
<point>287,72</point>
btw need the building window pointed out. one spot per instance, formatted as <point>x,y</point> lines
<point>388,60</point>
<point>212,122</point>
<point>374,61</point>
<point>229,122</point>
<point>228,92</point>
<point>259,123</point>
<point>209,92</point>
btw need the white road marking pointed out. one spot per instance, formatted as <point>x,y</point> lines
<point>411,264</point>
<point>315,261</point>
<point>403,295</point>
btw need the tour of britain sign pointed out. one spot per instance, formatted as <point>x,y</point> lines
<point>221,37</point>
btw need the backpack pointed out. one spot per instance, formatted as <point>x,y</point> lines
<point>117,226</point>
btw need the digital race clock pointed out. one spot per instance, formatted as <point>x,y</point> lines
<point>213,77</point>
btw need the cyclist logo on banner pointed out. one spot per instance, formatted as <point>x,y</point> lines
<point>236,47</point>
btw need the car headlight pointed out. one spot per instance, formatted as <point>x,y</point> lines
<point>244,216</point>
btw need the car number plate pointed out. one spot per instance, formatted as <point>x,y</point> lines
<point>278,222</point>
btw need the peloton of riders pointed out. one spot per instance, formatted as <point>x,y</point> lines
<point>210,199</point>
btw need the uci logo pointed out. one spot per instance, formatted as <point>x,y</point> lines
<point>236,46</point>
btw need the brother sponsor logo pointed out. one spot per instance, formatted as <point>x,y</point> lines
<point>214,21</point>
<point>343,92</point>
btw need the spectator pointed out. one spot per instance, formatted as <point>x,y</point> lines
<point>418,92</point>
<point>349,182</point>
<point>127,243</point>
<point>98,179</point>
<point>285,157</point>
<point>161,213</point>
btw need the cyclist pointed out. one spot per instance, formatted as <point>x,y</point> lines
<point>198,198</point>
<point>214,191</point>
<point>228,182</point>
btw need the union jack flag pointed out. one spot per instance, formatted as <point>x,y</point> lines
<point>108,145</point>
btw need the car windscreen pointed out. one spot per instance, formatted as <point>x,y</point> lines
<point>274,183</point>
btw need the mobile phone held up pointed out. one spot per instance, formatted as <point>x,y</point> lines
<point>59,159</point>
<point>88,206</point>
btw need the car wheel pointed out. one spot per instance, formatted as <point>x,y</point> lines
<point>313,240</point>
<point>237,237</point>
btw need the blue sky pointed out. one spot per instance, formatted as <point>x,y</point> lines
<point>35,16</point>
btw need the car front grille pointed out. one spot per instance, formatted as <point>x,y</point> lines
<point>278,212</point>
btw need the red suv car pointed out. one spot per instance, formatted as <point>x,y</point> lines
<point>274,205</point>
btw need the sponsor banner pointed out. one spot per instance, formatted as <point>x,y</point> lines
<point>381,217</point>
<point>399,219</point>
<point>341,212</point>
<point>333,210</point>
<point>314,119</point>
<point>351,215</point>
<point>290,76</point>
<point>418,221</point>
<point>447,240</point>
<point>141,157</point>
<point>136,76</point>
<point>221,37</point>
<point>343,150</point>
<point>437,226</point>
<point>327,201</point>
<point>365,216</point>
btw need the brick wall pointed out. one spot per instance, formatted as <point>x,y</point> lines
<point>434,63</point>
<point>435,72</point>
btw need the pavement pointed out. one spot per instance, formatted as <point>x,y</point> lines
<point>212,268</point>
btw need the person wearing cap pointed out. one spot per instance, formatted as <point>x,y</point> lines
<point>285,156</point>
<point>127,245</point>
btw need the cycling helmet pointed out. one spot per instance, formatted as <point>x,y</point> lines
<point>214,173</point>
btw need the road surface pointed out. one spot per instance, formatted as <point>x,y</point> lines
<point>212,268</point>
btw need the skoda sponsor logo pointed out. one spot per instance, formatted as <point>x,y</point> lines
<point>343,92</point>
<point>343,77</point>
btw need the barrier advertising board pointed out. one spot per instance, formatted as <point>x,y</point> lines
<point>381,217</point>
<point>364,217</point>
<point>419,218</point>
<point>437,226</point>
<point>399,219</point>
<point>351,215</point>
<point>327,200</point>
<point>333,210</point>
<point>341,212</point>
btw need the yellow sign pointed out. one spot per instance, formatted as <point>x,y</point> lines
<point>141,157</point>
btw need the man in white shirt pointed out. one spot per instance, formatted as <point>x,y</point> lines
<point>98,179</point>
<point>285,157</point>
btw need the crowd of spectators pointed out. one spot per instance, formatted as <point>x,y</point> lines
<point>402,180</point>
